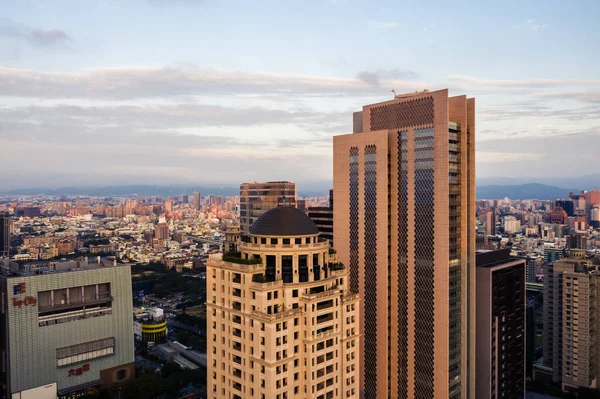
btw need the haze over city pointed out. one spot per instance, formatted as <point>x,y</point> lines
<point>201,92</point>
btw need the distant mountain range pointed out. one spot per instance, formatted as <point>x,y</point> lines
<point>484,191</point>
<point>146,190</point>
<point>523,191</point>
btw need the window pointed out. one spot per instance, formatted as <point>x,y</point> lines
<point>273,241</point>
<point>295,293</point>
<point>263,240</point>
<point>298,240</point>
<point>286,241</point>
<point>86,351</point>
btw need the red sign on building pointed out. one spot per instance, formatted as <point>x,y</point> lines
<point>79,371</point>
<point>27,301</point>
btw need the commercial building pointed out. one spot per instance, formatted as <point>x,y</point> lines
<point>258,198</point>
<point>66,326</point>
<point>570,333</point>
<point>567,205</point>
<point>501,308</point>
<point>281,320</point>
<point>4,234</point>
<point>322,217</point>
<point>196,201</point>
<point>404,217</point>
<point>150,325</point>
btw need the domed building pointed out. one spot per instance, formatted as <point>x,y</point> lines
<point>281,320</point>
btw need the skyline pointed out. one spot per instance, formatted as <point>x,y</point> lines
<point>222,97</point>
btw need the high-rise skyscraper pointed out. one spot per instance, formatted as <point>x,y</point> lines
<point>184,199</point>
<point>571,336</point>
<point>404,217</point>
<point>196,201</point>
<point>490,223</point>
<point>4,234</point>
<point>258,198</point>
<point>169,205</point>
<point>282,322</point>
<point>500,344</point>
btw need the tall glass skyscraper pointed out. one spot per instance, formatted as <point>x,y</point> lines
<point>404,210</point>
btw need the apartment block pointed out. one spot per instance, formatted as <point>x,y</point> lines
<point>501,307</point>
<point>571,323</point>
<point>282,321</point>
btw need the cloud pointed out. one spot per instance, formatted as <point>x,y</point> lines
<point>36,37</point>
<point>530,24</point>
<point>383,24</point>
<point>145,82</point>
<point>519,83</point>
<point>374,78</point>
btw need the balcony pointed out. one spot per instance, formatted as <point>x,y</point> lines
<point>325,305</point>
<point>237,332</point>
<point>236,306</point>
<point>324,318</point>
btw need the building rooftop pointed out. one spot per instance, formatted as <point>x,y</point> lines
<point>11,269</point>
<point>284,221</point>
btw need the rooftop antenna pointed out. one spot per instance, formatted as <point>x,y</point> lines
<point>395,95</point>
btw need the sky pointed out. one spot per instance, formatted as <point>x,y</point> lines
<point>221,92</point>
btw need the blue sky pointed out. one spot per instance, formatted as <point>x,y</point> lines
<point>206,91</point>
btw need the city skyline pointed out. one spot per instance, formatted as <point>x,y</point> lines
<point>151,106</point>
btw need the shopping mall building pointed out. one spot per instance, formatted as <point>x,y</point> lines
<point>65,327</point>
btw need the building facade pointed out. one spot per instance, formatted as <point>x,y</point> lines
<point>196,201</point>
<point>281,320</point>
<point>404,211</point>
<point>501,309</point>
<point>4,234</point>
<point>490,223</point>
<point>322,217</point>
<point>570,323</point>
<point>258,198</point>
<point>66,326</point>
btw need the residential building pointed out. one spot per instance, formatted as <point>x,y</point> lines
<point>404,217</point>
<point>169,206</point>
<point>570,332</point>
<point>501,307</point>
<point>322,217</point>
<point>282,322</point>
<point>512,225</point>
<point>258,198</point>
<point>162,231</point>
<point>66,326</point>
<point>558,216</point>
